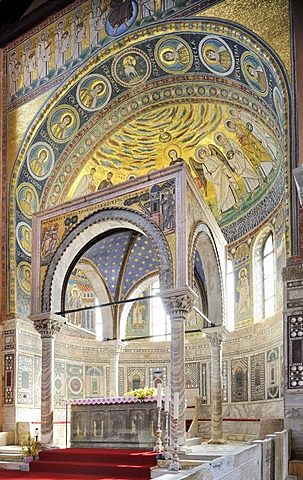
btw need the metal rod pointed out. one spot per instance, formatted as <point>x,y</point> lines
<point>109,304</point>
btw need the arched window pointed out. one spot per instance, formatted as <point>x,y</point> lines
<point>264,275</point>
<point>230,295</point>
<point>268,277</point>
<point>160,321</point>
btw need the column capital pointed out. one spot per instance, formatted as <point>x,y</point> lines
<point>115,346</point>
<point>47,324</point>
<point>216,335</point>
<point>178,301</point>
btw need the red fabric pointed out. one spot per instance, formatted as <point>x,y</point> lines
<point>88,464</point>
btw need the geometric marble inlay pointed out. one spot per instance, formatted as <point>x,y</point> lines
<point>9,379</point>
<point>191,375</point>
<point>239,391</point>
<point>25,379</point>
<point>295,353</point>
<point>257,363</point>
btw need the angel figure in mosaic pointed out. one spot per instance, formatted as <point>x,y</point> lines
<point>253,149</point>
<point>239,163</point>
<point>213,167</point>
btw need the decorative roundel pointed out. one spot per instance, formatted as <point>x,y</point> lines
<point>173,55</point>
<point>62,124</point>
<point>254,73</point>
<point>216,55</point>
<point>93,92</point>
<point>27,199</point>
<point>40,160</point>
<point>24,237</point>
<point>75,385</point>
<point>24,275</point>
<point>131,67</point>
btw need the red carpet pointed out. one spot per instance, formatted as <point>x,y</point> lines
<point>88,464</point>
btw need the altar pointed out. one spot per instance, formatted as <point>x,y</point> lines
<point>113,422</point>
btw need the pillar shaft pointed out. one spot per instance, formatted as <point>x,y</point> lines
<point>115,347</point>
<point>178,304</point>
<point>47,325</point>
<point>216,336</point>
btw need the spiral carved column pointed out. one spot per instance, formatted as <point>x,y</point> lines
<point>216,335</point>
<point>47,325</point>
<point>115,347</point>
<point>178,304</point>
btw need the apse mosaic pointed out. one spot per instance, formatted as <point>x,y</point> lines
<point>131,100</point>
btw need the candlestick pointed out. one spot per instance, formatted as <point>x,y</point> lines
<point>159,395</point>
<point>159,445</point>
<point>166,398</point>
<point>167,454</point>
<point>175,464</point>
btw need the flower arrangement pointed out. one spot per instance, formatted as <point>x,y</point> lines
<point>29,446</point>
<point>141,392</point>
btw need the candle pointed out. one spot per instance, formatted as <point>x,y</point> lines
<point>166,402</point>
<point>159,395</point>
<point>176,405</point>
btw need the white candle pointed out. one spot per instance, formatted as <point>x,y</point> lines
<point>159,395</point>
<point>166,402</point>
<point>176,405</point>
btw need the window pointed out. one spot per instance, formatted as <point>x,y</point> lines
<point>264,275</point>
<point>268,277</point>
<point>230,293</point>
<point>160,321</point>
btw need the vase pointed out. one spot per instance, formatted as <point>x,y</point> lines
<point>28,459</point>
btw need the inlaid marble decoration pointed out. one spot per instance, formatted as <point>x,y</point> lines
<point>121,381</point>
<point>239,379</point>
<point>257,368</point>
<point>136,378</point>
<point>9,339</point>
<point>25,380</point>
<point>192,375</point>
<point>156,374</point>
<point>9,383</point>
<point>75,381</point>
<point>273,377</point>
<point>94,381</point>
<point>204,382</point>
<point>295,351</point>
<point>60,385</point>
<point>225,382</point>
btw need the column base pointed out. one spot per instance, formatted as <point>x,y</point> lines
<point>219,441</point>
<point>49,446</point>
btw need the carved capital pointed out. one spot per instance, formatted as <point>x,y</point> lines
<point>178,302</point>
<point>216,335</point>
<point>115,347</point>
<point>47,324</point>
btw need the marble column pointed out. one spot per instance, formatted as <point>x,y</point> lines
<point>47,325</point>
<point>178,303</point>
<point>216,335</point>
<point>114,348</point>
